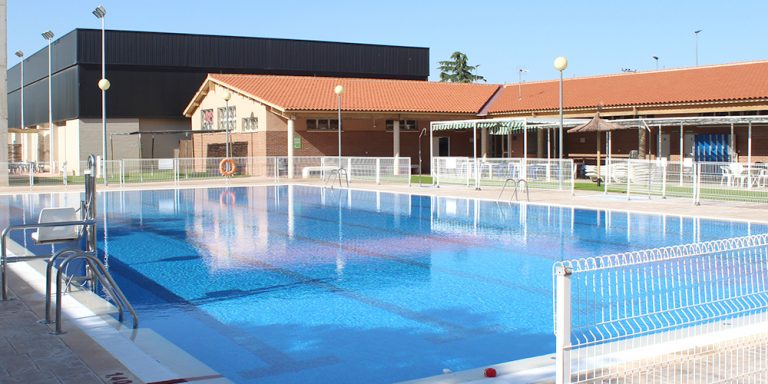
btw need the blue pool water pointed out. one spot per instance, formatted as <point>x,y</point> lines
<point>300,284</point>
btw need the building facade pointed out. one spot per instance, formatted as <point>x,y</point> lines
<point>153,76</point>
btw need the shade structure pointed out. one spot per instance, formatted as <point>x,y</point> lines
<point>597,125</point>
<point>500,127</point>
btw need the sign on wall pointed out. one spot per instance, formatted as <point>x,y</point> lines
<point>297,142</point>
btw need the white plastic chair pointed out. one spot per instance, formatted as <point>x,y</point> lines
<point>727,176</point>
<point>50,235</point>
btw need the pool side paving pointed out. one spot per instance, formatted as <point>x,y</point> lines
<point>30,354</point>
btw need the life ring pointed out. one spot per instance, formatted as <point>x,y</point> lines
<point>227,167</point>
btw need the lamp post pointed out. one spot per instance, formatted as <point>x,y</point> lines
<point>227,97</point>
<point>696,40</point>
<point>339,90</point>
<point>657,62</point>
<point>48,35</point>
<point>100,12</point>
<point>20,55</point>
<point>561,63</point>
<point>520,82</point>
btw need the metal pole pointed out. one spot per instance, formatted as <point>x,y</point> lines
<point>338,103</point>
<point>103,106</point>
<point>50,108</point>
<point>474,155</point>
<point>22,95</point>
<point>682,155</point>
<point>560,134</point>
<point>226,127</point>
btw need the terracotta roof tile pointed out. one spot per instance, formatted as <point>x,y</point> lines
<point>365,95</point>
<point>729,82</point>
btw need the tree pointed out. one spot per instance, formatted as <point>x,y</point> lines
<point>458,70</point>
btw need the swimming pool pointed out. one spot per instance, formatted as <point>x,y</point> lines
<point>301,284</point>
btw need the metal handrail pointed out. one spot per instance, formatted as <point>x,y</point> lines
<point>517,183</point>
<point>99,272</point>
<point>5,259</point>
<point>337,173</point>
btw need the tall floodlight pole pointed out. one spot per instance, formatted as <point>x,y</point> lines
<point>227,97</point>
<point>657,62</point>
<point>100,12</point>
<point>339,90</point>
<point>696,39</point>
<point>561,63</point>
<point>48,35</point>
<point>20,55</point>
<point>520,83</point>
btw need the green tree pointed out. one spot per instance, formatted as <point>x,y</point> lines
<point>458,70</point>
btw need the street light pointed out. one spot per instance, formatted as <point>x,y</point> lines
<point>227,97</point>
<point>657,62</point>
<point>20,55</point>
<point>696,38</point>
<point>561,63</point>
<point>338,91</point>
<point>48,35</point>
<point>520,82</point>
<point>100,12</point>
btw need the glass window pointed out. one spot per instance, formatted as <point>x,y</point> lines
<point>405,125</point>
<point>322,125</point>
<point>228,120</point>
<point>206,117</point>
<point>250,124</point>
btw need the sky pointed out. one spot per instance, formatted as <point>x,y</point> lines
<point>597,37</point>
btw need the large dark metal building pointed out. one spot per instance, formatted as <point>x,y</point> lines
<point>154,75</point>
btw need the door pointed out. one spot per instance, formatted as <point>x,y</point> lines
<point>441,146</point>
<point>688,141</point>
<point>664,146</point>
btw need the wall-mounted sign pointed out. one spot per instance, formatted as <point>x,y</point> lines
<point>297,142</point>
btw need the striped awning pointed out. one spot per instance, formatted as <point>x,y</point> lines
<point>502,127</point>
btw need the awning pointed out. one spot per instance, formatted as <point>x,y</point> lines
<point>503,127</point>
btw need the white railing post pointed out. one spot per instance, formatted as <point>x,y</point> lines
<point>64,171</point>
<point>176,171</point>
<point>468,168</point>
<point>436,171</point>
<point>573,179</point>
<point>410,171</point>
<point>664,179</point>
<point>629,177</point>
<point>349,168</point>
<point>378,170</point>
<point>31,174</point>
<point>275,170</point>
<point>563,326</point>
<point>122,173</point>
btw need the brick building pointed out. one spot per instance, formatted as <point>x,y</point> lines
<point>297,116</point>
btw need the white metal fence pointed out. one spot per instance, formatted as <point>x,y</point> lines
<point>695,313</point>
<point>540,173</point>
<point>695,180</point>
<point>180,170</point>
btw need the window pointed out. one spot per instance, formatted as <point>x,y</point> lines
<point>322,125</point>
<point>250,124</point>
<point>227,120</point>
<point>405,125</point>
<point>206,119</point>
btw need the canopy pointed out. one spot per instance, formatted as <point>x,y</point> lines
<point>495,127</point>
<point>597,124</point>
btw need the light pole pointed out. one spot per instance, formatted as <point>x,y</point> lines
<point>100,12</point>
<point>657,62</point>
<point>696,39</point>
<point>227,97</point>
<point>48,35</point>
<point>561,63</point>
<point>520,82</point>
<point>20,55</point>
<point>338,91</point>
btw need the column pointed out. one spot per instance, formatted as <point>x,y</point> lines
<point>539,143</point>
<point>396,146</point>
<point>484,142</point>
<point>291,130</point>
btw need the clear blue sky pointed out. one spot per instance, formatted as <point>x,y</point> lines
<point>598,37</point>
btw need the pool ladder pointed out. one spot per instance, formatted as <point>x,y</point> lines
<point>337,174</point>
<point>519,185</point>
<point>96,272</point>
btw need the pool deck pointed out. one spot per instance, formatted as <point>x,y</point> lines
<point>30,354</point>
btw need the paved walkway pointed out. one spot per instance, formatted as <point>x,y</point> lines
<point>30,354</point>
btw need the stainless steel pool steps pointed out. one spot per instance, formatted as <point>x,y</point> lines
<point>519,184</point>
<point>337,173</point>
<point>98,273</point>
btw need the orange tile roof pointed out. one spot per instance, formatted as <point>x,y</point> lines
<point>729,82</point>
<point>296,93</point>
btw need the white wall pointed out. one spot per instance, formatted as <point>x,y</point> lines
<point>244,107</point>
